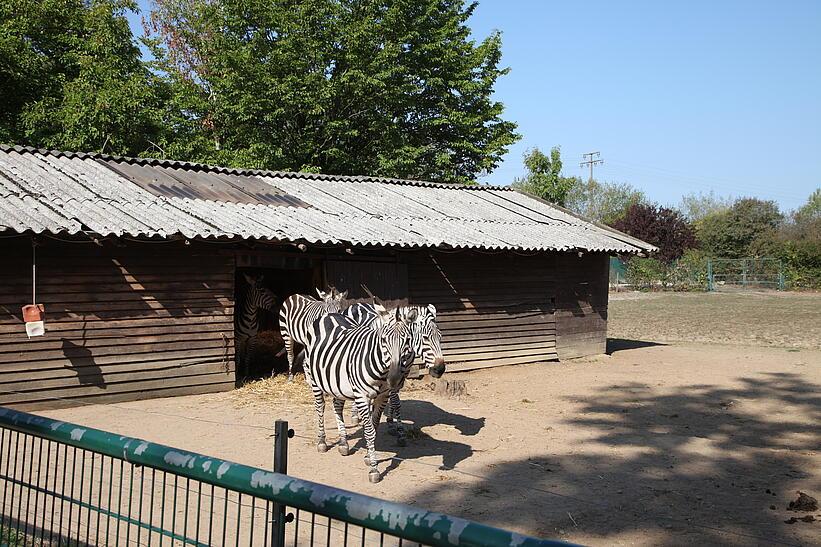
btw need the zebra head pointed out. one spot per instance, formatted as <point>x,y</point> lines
<point>258,297</point>
<point>428,340</point>
<point>396,339</point>
<point>332,299</point>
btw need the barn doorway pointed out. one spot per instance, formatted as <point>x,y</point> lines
<point>279,276</point>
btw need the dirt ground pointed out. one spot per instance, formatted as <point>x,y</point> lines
<point>756,318</point>
<point>655,444</point>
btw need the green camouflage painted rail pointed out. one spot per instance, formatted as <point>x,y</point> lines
<point>395,519</point>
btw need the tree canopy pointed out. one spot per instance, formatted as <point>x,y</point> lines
<point>696,206</point>
<point>665,228</point>
<point>603,202</point>
<point>544,176</point>
<point>71,77</point>
<point>733,232</point>
<point>395,88</point>
<point>384,87</point>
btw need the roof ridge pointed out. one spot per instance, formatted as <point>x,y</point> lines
<point>206,167</point>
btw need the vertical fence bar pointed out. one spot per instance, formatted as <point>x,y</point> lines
<point>709,274</point>
<point>28,490</point>
<point>281,435</point>
<point>5,460</point>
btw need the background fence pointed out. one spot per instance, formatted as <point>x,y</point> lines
<point>742,273</point>
<point>695,272</point>
<point>66,484</point>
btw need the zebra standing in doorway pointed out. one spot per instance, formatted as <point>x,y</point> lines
<point>427,344</point>
<point>255,297</point>
<point>359,363</point>
<point>297,316</point>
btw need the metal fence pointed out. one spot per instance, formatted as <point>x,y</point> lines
<point>767,273</point>
<point>67,484</point>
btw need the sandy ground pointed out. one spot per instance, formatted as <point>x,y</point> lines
<point>652,445</point>
<point>752,318</point>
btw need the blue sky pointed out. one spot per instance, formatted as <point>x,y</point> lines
<point>679,97</point>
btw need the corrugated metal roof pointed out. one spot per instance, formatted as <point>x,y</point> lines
<point>65,192</point>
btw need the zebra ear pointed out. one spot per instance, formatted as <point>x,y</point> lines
<point>343,295</point>
<point>249,279</point>
<point>321,294</point>
<point>432,310</point>
<point>411,315</point>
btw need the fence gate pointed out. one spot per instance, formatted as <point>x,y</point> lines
<point>67,484</point>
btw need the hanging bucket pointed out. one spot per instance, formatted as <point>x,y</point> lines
<point>33,312</point>
<point>33,316</point>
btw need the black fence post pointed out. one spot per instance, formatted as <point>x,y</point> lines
<point>281,436</point>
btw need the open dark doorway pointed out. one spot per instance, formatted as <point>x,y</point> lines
<point>261,355</point>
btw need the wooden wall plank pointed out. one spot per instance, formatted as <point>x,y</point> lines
<point>121,323</point>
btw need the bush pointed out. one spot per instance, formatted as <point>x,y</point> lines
<point>646,273</point>
<point>689,273</point>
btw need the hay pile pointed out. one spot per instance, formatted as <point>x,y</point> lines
<point>274,390</point>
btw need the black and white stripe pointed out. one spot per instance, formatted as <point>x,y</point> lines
<point>427,344</point>
<point>359,363</point>
<point>298,314</point>
<point>255,297</point>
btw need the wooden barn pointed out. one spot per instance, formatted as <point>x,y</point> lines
<point>139,264</point>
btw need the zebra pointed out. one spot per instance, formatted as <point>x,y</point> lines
<point>427,339</point>
<point>359,363</point>
<point>255,297</point>
<point>297,315</point>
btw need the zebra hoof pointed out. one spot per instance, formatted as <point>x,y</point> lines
<point>290,377</point>
<point>374,476</point>
<point>401,441</point>
<point>321,446</point>
<point>344,449</point>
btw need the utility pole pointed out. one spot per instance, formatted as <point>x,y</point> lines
<point>591,159</point>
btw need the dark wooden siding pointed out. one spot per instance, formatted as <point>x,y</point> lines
<point>581,304</point>
<point>493,309</point>
<point>386,279</point>
<point>147,320</point>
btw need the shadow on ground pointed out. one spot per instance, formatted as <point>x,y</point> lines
<point>700,465</point>
<point>419,444</point>
<point>621,344</point>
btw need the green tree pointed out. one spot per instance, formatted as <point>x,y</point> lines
<point>544,178</point>
<point>394,88</point>
<point>696,206</point>
<point>732,233</point>
<point>72,77</point>
<point>603,202</point>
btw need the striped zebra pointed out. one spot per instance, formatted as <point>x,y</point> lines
<point>427,344</point>
<point>255,297</point>
<point>359,363</point>
<point>297,316</point>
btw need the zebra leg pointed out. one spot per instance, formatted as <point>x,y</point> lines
<point>319,405</point>
<point>393,404</point>
<point>250,348</point>
<point>396,412</point>
<point>354,416</point>
<point>339,408</point>
<point>289,350</point>
<point>363,405</point>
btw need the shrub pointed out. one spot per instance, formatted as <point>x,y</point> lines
<point>646,273</point>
